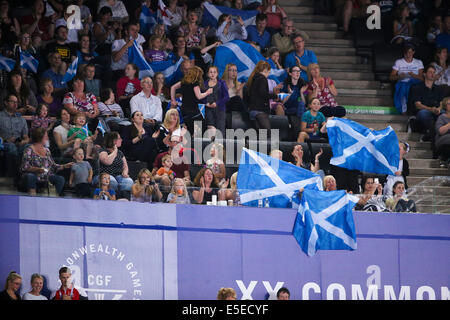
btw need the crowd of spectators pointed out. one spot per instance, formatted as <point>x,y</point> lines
<point>43,119</point>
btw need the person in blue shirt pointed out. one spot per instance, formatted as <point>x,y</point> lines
<point>300,57</point>
<point>258,34</point>
<point>56,73</point>
<point>443,39</point>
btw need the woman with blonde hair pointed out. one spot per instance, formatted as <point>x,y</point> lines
<point>178,193</point>
<point>12,286</point>
<point>144,188</point>
<point>37,283</point>
<point>235,88</point>
<point>226,294</point>
<point>323,88</point>
<point>259,96</point>
<point>191,91</point>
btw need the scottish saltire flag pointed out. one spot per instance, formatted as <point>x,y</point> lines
<point>163,14</point>
<point>7,63</point>
<point>356,147</point>
<point>201,108</point>
<point>147,19</point>
<point>245,57</point>
<point>27,61</point>
<point>169,68</point>
<point>101,127</point>
<point>71,71</point>
<point>85,130</point>
<point>325,221</point>
<point>261,176</point>
<point>211,14</point>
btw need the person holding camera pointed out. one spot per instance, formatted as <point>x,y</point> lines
<point>145,189</point>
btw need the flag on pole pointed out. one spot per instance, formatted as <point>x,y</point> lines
<point>325,221</point>
<point>71,71</point>
<point>169,68</point>
<point>27,61</point>
<point>245,57</point>
<point>7,63</point>
<point>356,147</point>
<point>263,177</point>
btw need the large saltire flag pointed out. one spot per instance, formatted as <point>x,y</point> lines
<point>245,57</point>
<point>261,176</point>
<point>7,63</point>
<point>71,71</point>
<point>27,61</point>
<point>356,147</point>
<point>169,68</point>
<point>325,221</point>
<point>211,14</point>
<point>147,19</point>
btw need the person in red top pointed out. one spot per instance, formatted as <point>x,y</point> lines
<point>128,86</point>
<point>37,24</point>
<point>275,14</point>
<point>66,291</point>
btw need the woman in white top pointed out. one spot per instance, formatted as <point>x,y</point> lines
<point>119,11</point>
<point>442,75</point>
<point>37,283</point>
<point>229,30</point>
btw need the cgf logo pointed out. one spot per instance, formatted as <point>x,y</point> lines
<point>374,21</point>
<point>74,17</point>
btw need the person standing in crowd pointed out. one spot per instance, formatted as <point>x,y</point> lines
<point>170,127</point>
<point>47,97</point>
<point>235,89</point>
<point>407,72</point>
<point>257,34</point>
<point>323,88</point>
<point>128,86</point>
<point>37,283</point>
<point>442,128</point>
<point>12,286</point>
<point>67,290</point>
<point>104,190</point>
<point>104,31</point>
<point>259,96</point>
<point>283,294</point>
<point>147,103</point>
<point>194,34</point>
<point>300,57</point>
<point>228,29</point>
<point>345,10</point>
<point>81,175</point>
<point>113,162</point>
<point>401,173</point>
<point>119,54</point>
<point>215,102</point>
<point>145,189</point>
<point>191,91</point>
<point>275,14</point>
<point>313,122</point>
<point>38,166</point>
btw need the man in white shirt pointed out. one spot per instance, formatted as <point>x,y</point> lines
<point>148,104</point>
<point>119,55</point>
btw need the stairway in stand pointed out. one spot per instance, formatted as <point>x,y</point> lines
<point>358,88</point>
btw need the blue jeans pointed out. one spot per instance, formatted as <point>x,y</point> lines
<point>117,183</point>
<point>425,119</point>
<point>30,181</point>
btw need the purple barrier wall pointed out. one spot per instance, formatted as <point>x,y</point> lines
<point>123,250</point>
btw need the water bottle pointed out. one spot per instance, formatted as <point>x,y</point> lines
<point>237,201</point>
<point>266,203</point>
<point>260,203</point>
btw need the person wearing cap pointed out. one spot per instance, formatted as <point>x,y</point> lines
<point>67,290</point>
<point>401,173</point>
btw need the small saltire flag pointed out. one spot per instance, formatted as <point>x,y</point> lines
<point>325,221</point>
<point>101,127</point>
<point>169,68</point>
<point>356,147</point>
<point>164,15</point>
<point>147,19</point>
<point>201,108</point>
<point>211,14</point>
<point>7,63</point>
<point>245,57</point>
<point>27,61</point>
<point>71,71</point>
<point>85,130</point>
<point>261,176</point>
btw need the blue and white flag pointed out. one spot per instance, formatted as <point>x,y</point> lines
<point>27,61</point>
<point>147,20</point>
<point>356,147</point>
<point>245,57</point>
<point>100,127</point>
<point>325,221</point>
<point>170,69</point>
<point>7,63</point>
<point>261,176</point>
<point>201,108</point>
<point>85,129</point>
<point>211,14</point>
<point>71,71</point>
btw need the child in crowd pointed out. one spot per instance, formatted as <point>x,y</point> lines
<point>104,190</point>
<point>85,135</point>
<point>145,187</point>
<point>313,122</point>
<point>216,102</point>
<point>165,175</point>
<point>216,162</point>
<point>179,193</point>
<point>155,52</point>
<point>129,85</point>
<point>92,85</point>
<point>41,118</point>
<point>81,174</point>
<point>66,291</point>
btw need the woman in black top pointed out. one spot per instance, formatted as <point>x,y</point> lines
<point>258,91</point>
<point>207,186</point>
<point>191,91</point>
<point>13,283</point>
